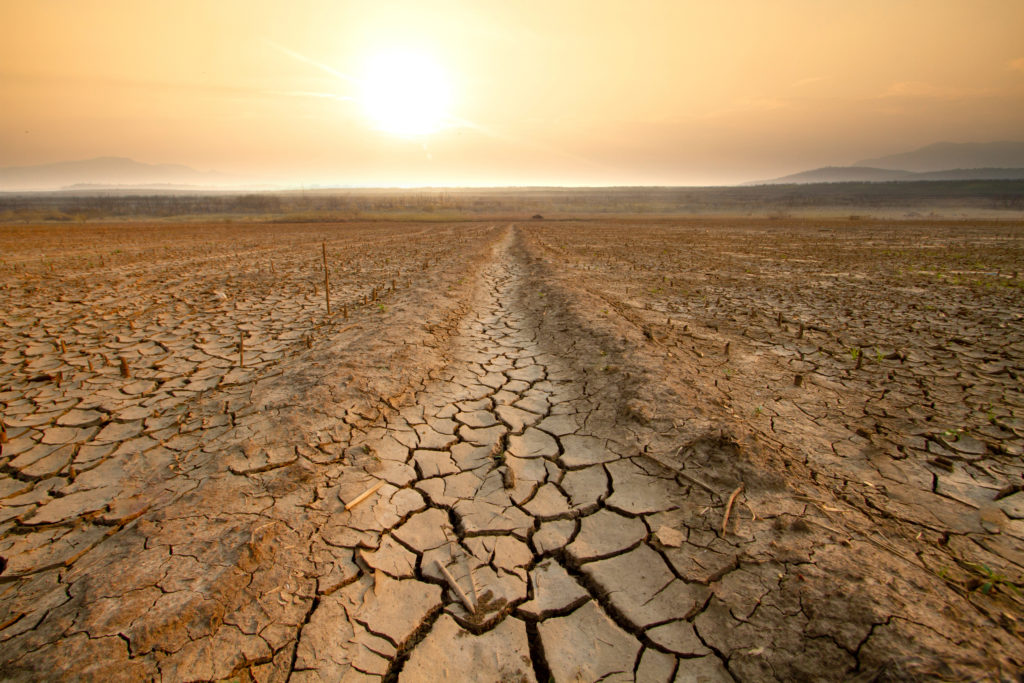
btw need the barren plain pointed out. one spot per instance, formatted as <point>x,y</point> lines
<point>650,450</point>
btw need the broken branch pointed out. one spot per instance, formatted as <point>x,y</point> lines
<point>472,581</point>
<point>455,587</point>
<point>364,495</point>
<point>728,507</point>
<point>698,482</point>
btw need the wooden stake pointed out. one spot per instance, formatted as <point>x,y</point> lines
<point>472,581</point>
<point>241,349</point>
<point>327,281</point>
<point>364,495</point>
<point>344,311</point>
<point>728,506</point>
<point>455,587</point>
<point>125,371</point>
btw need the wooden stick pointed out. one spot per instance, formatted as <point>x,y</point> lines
<point>241,349</point>
<point>694,480</point>
<point>327,281</point>
<point>472,581</point>
<point>455,587</point>
<point>125,372</point>
<point>364,495</point>
<point>728,506</point>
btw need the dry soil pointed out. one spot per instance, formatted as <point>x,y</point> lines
<point>651,451</point>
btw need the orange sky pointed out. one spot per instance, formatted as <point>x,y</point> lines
<point>549,92</point>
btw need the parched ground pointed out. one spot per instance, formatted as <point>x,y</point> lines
<point>571,451</point>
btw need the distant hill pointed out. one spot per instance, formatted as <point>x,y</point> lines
<point>863,174</point>
<point>953,155</point>
<point>839,174</point>
<point>102,171</point>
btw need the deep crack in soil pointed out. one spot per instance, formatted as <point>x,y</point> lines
<point>505,519</point>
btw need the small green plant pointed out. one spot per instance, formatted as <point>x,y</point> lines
<point>988,580</point>
<point>758,410</point>
<point>728,372</point>
<point>879,356</point>
<point>854,353</point>
<point>381,308</point>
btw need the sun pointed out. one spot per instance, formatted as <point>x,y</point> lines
<point>405,93</point>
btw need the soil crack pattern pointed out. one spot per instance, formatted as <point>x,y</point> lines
<point>465,473</point>
<point>508,542</point>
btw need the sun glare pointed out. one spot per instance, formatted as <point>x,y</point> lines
<point>405,93</point>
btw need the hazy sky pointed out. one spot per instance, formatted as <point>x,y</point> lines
<point>523,92</point>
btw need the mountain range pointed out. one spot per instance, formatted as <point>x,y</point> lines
<point>940,161</point>
<point>105,172</point>
<point>942,156</point>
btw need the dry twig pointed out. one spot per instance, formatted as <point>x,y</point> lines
<point>728,506</point>
<point>364,495</point>
<point>455,587</point>
<point>327,280</point>
<point>472,581</point>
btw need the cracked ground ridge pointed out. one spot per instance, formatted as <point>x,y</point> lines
<point>540,521</point>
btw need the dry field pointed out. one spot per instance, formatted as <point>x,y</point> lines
<point>650,450</point>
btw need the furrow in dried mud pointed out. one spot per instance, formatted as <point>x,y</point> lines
<point>508,526</point>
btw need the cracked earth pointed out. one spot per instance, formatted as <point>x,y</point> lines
<point>511,495</point>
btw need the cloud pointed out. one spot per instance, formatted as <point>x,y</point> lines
<point>308,93</point>
<point>749,105</point>
<point>1016,64</point>
<point>920,90</point>
<point>312,62</point>
<point>809,81</point>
